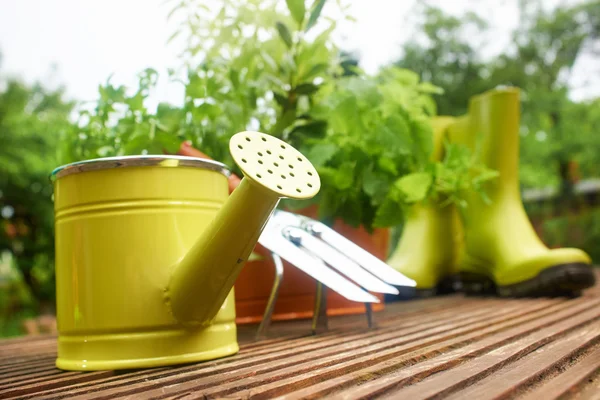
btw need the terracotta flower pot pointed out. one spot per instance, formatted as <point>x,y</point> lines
<point>297,291</point>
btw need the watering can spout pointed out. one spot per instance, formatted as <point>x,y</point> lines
<point>204,277</point>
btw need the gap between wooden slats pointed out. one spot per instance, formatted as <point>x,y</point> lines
<point>568,378</point>
<point>67,378</point>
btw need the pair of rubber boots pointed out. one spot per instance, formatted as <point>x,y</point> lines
<point>491,247</point>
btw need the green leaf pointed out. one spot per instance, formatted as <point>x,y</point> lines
<point>428,87</point>
<point>316,9</point>
<point>284,33</point>
<point>284,121</point>
<point>344,177</point>
<point>364,89</point>
<point>404,76</point>
<point>351,210</point>
<point>313,130</point>
<point>429,105</point>
<point>375,184</point>
<point>486,175</point>
<point>234,77</point>
<point>388,165</point>
<point>388,214</point>
<point>136,102</point>
<point>306,88</point>
<point>281,99</point>
<point>320,153</point>
<point>297,9</point>
<point>314,71</point>
<point>414,187</point>
<point>328,206</point>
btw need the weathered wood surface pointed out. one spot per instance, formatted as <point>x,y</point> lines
<point>448,347</point>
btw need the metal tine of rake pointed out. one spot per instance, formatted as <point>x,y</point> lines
<point>313,248</point>
<point>273,239</point>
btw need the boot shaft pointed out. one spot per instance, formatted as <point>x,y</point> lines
<point>491,131</point>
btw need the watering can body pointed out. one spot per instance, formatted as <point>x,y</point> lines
<point>148,249</point>
<point>120,232</point>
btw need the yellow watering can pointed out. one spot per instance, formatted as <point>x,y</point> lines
<point>148,249</point>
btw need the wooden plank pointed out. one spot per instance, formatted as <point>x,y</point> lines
<point>22,367</point>
<point>67,378</point>
<point>588,392</point>
<point>10,380</point>
<point>501,384</point>
<point>556,322</point>
<point>570,381</point>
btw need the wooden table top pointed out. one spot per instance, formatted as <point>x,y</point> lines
<point>451,347</point>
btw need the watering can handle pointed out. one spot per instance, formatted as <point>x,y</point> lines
<point>186,149</point>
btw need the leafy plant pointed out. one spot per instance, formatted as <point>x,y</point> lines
<point>375,158</point>
<point>119,123</point>
<point>32,120</point>
<point>265,65</point>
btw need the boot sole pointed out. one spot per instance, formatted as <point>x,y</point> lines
<point>561,280</point>
<point>448,285</point>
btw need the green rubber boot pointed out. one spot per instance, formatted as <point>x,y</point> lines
<point>502,252</point>
<point>429,246</point>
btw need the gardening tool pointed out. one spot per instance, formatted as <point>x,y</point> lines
<point>502,251</point>
<point>431,238</point>
<point>313,247</point>
<point>148,249</point>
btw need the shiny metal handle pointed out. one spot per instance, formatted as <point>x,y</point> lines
<point>314,267</point>
<point>338,261</point>
<point>359,255</point>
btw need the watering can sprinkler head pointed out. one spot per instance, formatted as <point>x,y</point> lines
<point>274,165</point>
<point>204,277</point>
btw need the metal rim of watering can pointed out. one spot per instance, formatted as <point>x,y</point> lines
<point>138,161</point>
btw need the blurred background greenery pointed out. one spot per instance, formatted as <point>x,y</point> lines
<point>276,66</point>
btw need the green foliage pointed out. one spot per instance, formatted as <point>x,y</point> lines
<point>297,10</point>
<point>120,124</point>
<point>580,231</point>
<point>32,121</point>
<point>254,65</point>
<point>246,66</point>
<point>374,156</point>
<point>443,53</point>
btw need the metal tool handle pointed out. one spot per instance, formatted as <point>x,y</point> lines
<point>359,255</point>
<point>314,267</point>
<point>337,260</point>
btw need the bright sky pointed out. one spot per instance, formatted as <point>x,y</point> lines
<point>89,40</point>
